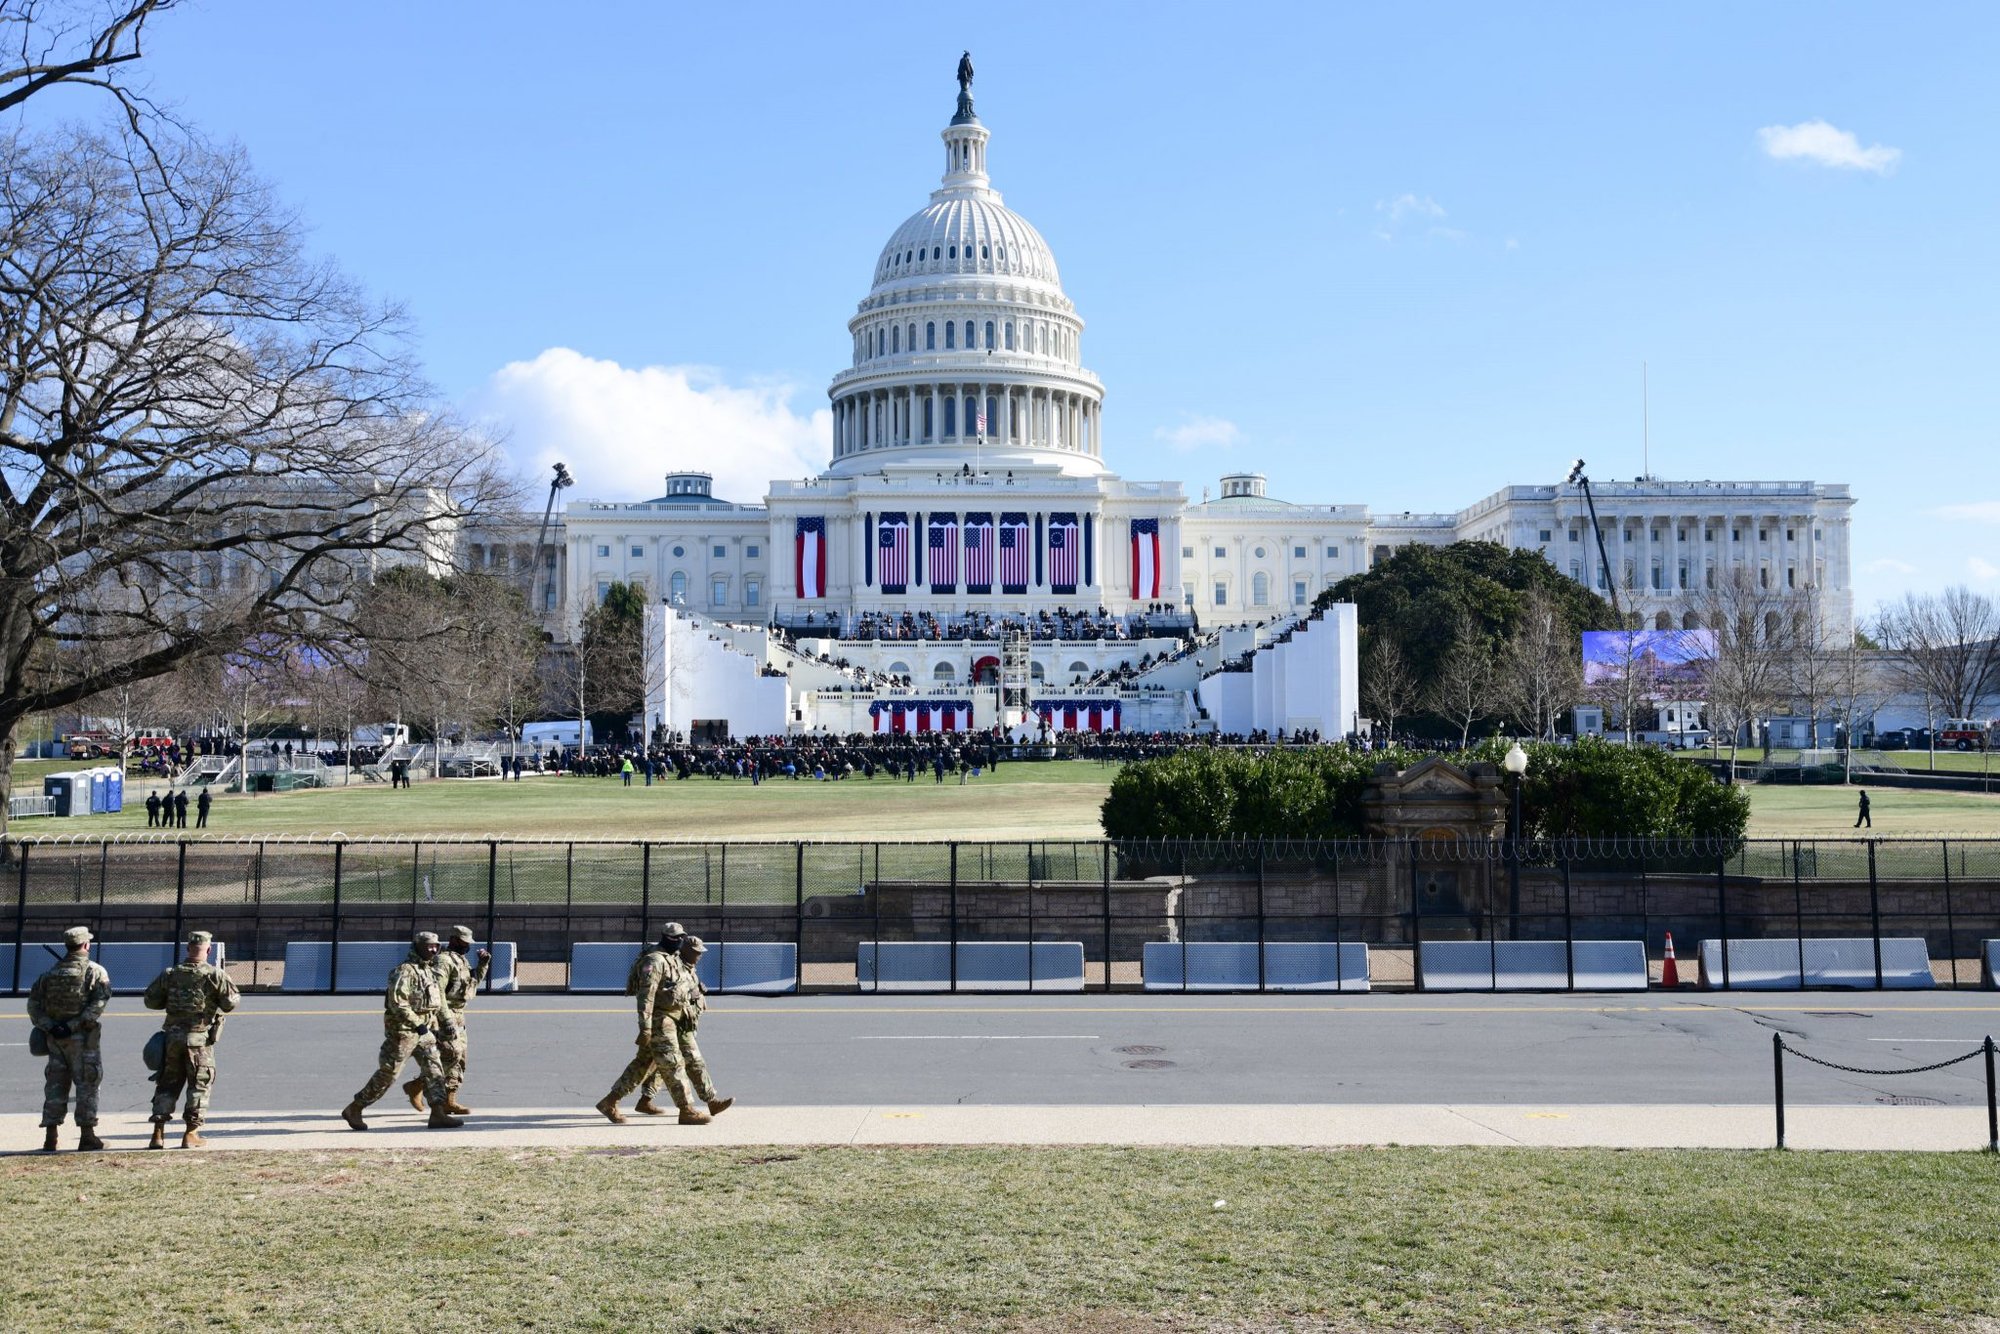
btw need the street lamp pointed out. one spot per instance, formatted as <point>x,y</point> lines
<point>1514,762</point>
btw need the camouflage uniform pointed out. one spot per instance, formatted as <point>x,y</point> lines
<point>195,997</point>
<point>461,979</point>
<point>687,1018</point>
<point>660,981</point>
<point>412,1011</point>
<point>67,1003</point>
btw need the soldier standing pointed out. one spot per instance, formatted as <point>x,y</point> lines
<point>461,979</point>
<point>201,805</point>
<point>658,981</point>
<point>195,994</point>
<point>67,1006</point>
<point>412,1009</point>
<point>181,809</point>
<point>687,1017</point>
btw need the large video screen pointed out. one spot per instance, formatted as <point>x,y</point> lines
<point>1665,663</point>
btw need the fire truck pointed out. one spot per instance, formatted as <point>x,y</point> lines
<point>1966,734</point>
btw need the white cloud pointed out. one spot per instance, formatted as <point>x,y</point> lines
<point>1985,571</point>
<point>1978,511</point>
<point>1888,565</point>
<point>621,429</point>
<point>1200,433</point>
<point>1409,205</point>
<point>1829,146</point>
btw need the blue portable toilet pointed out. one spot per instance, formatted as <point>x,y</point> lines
<point>114,789</point>
<point>62,789</point>
<point>99,782</point>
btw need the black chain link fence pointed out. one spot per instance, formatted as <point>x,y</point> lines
<point>1780,1049</point>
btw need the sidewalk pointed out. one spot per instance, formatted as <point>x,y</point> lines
<point>1666,1126</point>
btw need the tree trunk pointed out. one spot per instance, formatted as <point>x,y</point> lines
<point>7,732</point>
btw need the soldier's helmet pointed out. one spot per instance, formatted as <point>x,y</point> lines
<point>671,935</point>
<point>693,945</point>
<point>463,933</point>
<point>77,937</point>
<point>424,938</point>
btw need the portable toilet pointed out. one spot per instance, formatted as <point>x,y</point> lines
<point>114,789</point>
<point>62,789</point>
<point>100,784</point>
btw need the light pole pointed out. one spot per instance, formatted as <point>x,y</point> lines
<point>1514,762</point>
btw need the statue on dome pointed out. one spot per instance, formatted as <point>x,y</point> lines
<point>965,72</point>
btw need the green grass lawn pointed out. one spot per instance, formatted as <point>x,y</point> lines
<point>1046,1239</point>
<point>1017,801</point>
<point>1778,811</point>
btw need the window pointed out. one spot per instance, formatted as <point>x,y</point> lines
<point>638,552</point>
<point>1545,536</point>
<point>1333,553</point>
<point>1791,577</point>
<point>936,253</point>
<point>1763,576</point>
<point>1220,553</point>
<point>1788,534</point>
<point>1010,335</point>
<point>1298,553</point>
<point>1260,589</point>
<point>895,340</point>
<point>899,669</point>
<point>751,590</point>
<point>952,252</point>
<point>604,551</point>
<point>680,551</point>
<point>1299,593</point>
<point>1736,534</point>
<point>1035,672</point>
<point>1575,536</point>
<point>928,429</point>
<point>989,335</point>
<point>677,587</point>
<point>751,552</point>
<point>1816,536</point>
<point>603,590</point>
<point>943,672</point>
<point>913,338</point>
<point>951,403</point>
<point>718,591</point>
<point>1761,535</point>
<point>930,336</point>
<point>1260,553</point>
<point>1221,593</point>
<point>1079,668</point>
<point>1187,594</point>
<point>969,344</point>
<point>1187,553</point>
<point>719,551</point>
<point>950,335</point>
<point>985,252</point>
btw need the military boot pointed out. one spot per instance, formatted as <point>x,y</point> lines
<point>443,1120</point>
<point>649,1107</point>
<point>88,1141</point>
<point>692,1117</point>
<point>454,1106</point>
<point>49,1140</point>
<point>609,1107</point>
<point>717,1106</point>
<point>352,1115</point>
<point>159,1139</point>
<point>192,1139</point>
<point>414,1091</point>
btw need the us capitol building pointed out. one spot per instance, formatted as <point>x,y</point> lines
<point>967,495</point>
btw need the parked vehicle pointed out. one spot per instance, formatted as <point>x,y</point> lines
<point>555,734</point>
<point>1965,734</point>
<point>382,736</point>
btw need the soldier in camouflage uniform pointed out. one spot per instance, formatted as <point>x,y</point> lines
<point>659,983</point>
<point>67,1005</point>
<point>195,994</point>
<point>687,1017</point>
<point>461,980</point>
<point>413,1009</point>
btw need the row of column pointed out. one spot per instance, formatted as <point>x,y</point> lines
<point>1710,544</point>
<point>1021,415</point>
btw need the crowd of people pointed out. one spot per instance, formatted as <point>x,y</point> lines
<point>1159,619</point>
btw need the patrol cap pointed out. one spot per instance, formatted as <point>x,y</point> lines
<point>693,943</point>
<point>424,938</point>
<point>463,933</point>
<point>673,929</point>
<point>77,937</point>
<point>200,938</point>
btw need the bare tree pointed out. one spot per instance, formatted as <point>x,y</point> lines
<point>44,45</point>
<point>604,670</point>
<point>1822,658</point>
<point>205,437</point>
<point>1389,687</point>
<point>1540,676</point>
<point>1944,648</point>
<point>1463,692</point>
<point>1628,684</point>
<point>1749,636</point>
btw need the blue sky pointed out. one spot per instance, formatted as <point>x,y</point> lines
<point>1398,255</point>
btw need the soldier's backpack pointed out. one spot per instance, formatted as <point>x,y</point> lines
<point>66,992</point>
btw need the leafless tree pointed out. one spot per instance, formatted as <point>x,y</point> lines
<point>1822,657</point>
<point>46,45</point>
<point>1463,692</point>
<point>1628,685</point>
<point>205,436</point>
<point>1749,639</point>
<point>1389,686</point>
<point>1944,647</point>
<point>1540,675</point>
<point>603,671</point>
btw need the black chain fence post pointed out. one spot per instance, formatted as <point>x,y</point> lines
<point>799,919</point>
<point>1992,1103</point>
<point>1950,927</point>
<point>1104,878</point>
<point>1260,916</point>
<point>180,889</point>
<point>951,948</point>
<point>1874,915</point>
<point>333,948</point>
<point>1722,910</point>
<point>492,899</point>
<point>1778,1081</point>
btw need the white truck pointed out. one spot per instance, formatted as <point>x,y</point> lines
<point>382,736</point>
<point>543,736</point>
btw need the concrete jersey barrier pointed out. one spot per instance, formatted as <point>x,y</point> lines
<point>1786,963</point>
<point>1231,965</point>
<point>1533,965</point>
<point>1989,964</point>
<point>983,965</point>
<point>365,965</point>
<point>133,964</point>
<point>754,967</point>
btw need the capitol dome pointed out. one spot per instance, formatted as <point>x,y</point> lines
<point>966,351</point>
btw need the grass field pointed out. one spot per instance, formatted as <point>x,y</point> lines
<point>1054,1239</point>
<point>1828,812</point>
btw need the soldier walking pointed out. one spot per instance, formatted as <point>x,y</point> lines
<point>461,980</point>
<point>196,995</point>
<point>657,981</point>
<point>687,1017</point>
<point>412,1009</point>
<point>66,1006</point>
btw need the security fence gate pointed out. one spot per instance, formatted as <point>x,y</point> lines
<point>1105,914</point>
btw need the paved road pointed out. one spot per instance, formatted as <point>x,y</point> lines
<point>290,1053</point>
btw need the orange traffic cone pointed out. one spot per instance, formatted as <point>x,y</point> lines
<point>1670,973</point>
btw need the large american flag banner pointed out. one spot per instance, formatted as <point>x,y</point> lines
<point>809,558</point>
<point>1146,558</point>
<point>1080,715</point>
<point>943,545</point>
<point>892,552</point>
<point>921,715</point>
<point>1063,554</point>
<point>1014,553</point>
<point>979,552</point>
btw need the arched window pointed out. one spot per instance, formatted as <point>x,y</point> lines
<point>1035,672</point>
<point>871,342</point>
<point>751,591</point>
<point>951,416</point>
<point>1260,589</point>
<point>930,336</point>
<point>899,669</point>
<point>895,340</point>
<point>969,343</point>
<point>928,428</point>
<point>1691,621</point>
<point>718,590</point>
<point>950,335</point>
<point>677,588</point>
<point>953,252</point>
<point>943,672</point>
<point>913,338</point>
<point>935,252</point>
<point>1002,252</point>
<point>985,253</point>
<point>1298,592</point>
<point>992,414</point>
<point>989,335</point>
<point>1663,622</point>
<point>1079,668</point>
<point>1010,335</point>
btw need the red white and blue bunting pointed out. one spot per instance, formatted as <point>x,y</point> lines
<point>1080,715</point>
<point>921,715</point>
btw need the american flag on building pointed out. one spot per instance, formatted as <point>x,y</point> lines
<point>1145,558</point>
<point>943,546</point>
<point>1014,553</point>
<point>1063,553</point>
<point>979,552</point>
<point>809,557</point>
<point>892,550</point>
